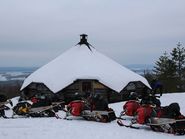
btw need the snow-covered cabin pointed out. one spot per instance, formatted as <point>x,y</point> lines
<point>84,70</point>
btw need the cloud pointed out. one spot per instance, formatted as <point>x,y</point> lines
<point>129,31</point>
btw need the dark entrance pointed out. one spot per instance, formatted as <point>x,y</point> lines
<point>87,87</point>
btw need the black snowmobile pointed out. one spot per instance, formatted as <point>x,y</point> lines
<point>168,120</point>
<point>167,125</point>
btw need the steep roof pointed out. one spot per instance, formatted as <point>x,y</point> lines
<point>81,63</point>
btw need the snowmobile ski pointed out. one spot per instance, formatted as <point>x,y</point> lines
<point>120,118</point>
<point>120,123</point>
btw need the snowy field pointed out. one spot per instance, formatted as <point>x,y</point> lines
<point>9,76</point>
<point>52,128</point>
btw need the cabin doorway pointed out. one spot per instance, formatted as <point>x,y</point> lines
<point>87,87</point>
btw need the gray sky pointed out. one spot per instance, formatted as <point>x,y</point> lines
<point>33,32</point>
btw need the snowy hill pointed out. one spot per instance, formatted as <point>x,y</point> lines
<point>52,128</point>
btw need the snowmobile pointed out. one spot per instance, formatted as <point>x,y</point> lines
<point>3,107</point>
<point>167,125</point>
<point>168,119</point>
<point>130,107</point>
<point>162,119</point>
<point>82,108</point>
<point>27,109</point>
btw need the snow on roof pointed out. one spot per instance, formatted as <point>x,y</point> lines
<point>81,63</point>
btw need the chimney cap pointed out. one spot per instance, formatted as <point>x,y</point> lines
<point>83,35</point>
<point>83,40</point>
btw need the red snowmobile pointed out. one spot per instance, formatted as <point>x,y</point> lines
<point>131,106</point>
<point>89,110</point>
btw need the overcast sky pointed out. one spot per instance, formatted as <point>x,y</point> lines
<point>33,32</point>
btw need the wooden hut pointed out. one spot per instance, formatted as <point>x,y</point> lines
<point>84,70</point>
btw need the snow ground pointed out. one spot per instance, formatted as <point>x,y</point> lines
<point>52,128</point>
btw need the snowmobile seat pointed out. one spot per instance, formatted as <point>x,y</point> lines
<point>171,111</point>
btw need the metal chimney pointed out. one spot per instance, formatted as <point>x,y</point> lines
<point>83,40</point>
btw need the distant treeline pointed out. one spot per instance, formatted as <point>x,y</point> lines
<point>10,88</point>
<point>18,69</point>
